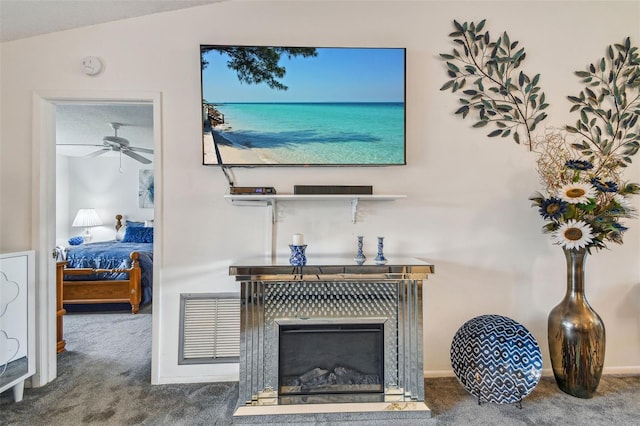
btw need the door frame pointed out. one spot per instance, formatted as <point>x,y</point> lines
<point>43,235</point>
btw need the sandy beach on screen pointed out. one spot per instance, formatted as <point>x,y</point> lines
<point>232,154</point>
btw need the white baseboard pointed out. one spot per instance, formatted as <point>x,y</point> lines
<point>432,374</point>
<point>428,374</point>
<point>197,379</point>
<point>633,369</point>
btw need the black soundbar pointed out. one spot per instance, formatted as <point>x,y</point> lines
<point>333,189</point>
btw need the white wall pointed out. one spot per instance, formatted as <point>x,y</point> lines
<point>467,208</point>
<point>97,183</point>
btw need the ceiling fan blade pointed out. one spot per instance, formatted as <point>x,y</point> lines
<point>135,148</point>
<point>96,153</point>
<point>80,144</point>
<point>135,156</point>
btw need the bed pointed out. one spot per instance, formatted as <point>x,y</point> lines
<point>117,271</point>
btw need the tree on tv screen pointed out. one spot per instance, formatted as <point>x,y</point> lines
<point>255,65</point>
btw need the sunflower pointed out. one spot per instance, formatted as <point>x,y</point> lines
<point>577,193</point>
<point>553,208</point>
<point>601,186</point>
<point>578,165</point>
<point>573,234</point>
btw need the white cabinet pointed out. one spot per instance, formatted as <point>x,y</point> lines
<point>17,320</point>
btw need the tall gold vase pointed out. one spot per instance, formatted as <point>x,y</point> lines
<point>576,335</point>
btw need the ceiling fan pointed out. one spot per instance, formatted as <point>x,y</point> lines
<point>121,145</point>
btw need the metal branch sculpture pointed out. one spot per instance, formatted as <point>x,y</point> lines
<point>486,73</point>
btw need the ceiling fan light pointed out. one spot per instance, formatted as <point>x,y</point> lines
<point>116,139</point>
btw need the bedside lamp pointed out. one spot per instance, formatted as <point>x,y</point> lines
<point>86,218</point>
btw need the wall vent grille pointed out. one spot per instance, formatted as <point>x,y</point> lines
<point>209,328</point>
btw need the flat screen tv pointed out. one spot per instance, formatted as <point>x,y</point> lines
<point>302,106</point>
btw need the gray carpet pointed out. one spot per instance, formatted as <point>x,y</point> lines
<point>104,380</point>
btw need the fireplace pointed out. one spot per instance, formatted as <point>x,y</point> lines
<point>331,338</point>
<point>330,362</point>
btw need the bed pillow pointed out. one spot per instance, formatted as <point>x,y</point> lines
<point>134,224</point>
<point>127,224</point>
<point>74,241</point>
<point>138,235</point>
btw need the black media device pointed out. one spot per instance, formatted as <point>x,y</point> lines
<point>252,190</point>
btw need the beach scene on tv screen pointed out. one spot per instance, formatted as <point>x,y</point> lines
<point>303,106</point>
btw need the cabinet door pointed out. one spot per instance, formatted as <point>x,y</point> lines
<point>14,317</point>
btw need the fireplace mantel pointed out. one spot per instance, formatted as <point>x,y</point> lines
<point>328,268</point>
<point>332,290</point>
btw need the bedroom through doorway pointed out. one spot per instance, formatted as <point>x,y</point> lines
<point>104,165</point>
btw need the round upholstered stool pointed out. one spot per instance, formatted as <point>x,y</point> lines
<point>496,359</point>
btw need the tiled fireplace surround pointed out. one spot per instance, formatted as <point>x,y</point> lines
<point>333,292</point>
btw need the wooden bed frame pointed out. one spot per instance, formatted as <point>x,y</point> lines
<point>96,291</point>
<point>103,291</point>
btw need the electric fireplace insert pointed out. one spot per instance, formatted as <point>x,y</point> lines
<point>331,360</point>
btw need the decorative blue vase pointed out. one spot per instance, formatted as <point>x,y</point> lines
<point>360,257</point>
<point>380,259</point>
<point>298,258</point>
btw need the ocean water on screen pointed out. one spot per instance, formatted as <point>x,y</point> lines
<point>317,133</point>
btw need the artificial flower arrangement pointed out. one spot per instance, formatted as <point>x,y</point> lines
<point>584,197</point>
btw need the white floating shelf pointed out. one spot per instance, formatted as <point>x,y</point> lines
<point>313,197</point>
<point>268,199</point>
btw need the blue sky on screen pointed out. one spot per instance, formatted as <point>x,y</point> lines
<point>334,75</point>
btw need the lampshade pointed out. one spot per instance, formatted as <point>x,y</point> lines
<point>86,218</point>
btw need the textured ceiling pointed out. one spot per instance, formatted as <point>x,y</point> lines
<point>28,18</point>
<point>84,123</point>
<point>87,124</point>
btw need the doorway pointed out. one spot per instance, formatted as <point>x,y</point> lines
<point>44,211</point>
<point>104,154</point>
